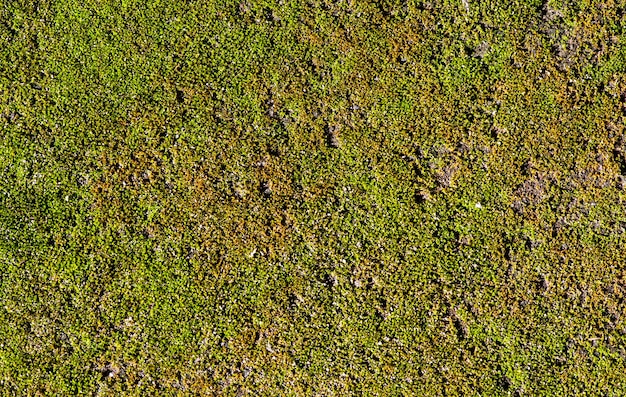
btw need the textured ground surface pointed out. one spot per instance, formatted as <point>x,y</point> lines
<point>312,198</point>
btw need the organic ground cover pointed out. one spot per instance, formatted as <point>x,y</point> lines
<point>312,197</point>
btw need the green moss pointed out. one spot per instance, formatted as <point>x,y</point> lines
<point>279,198</point>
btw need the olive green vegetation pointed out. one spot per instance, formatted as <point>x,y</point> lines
<point>312,198</point>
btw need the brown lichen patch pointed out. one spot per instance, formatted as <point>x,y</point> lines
<point>531,192</point>
<point>332,133</point>
<point>587,41</point>
<point>446,176</point>
<point>460,325</point>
